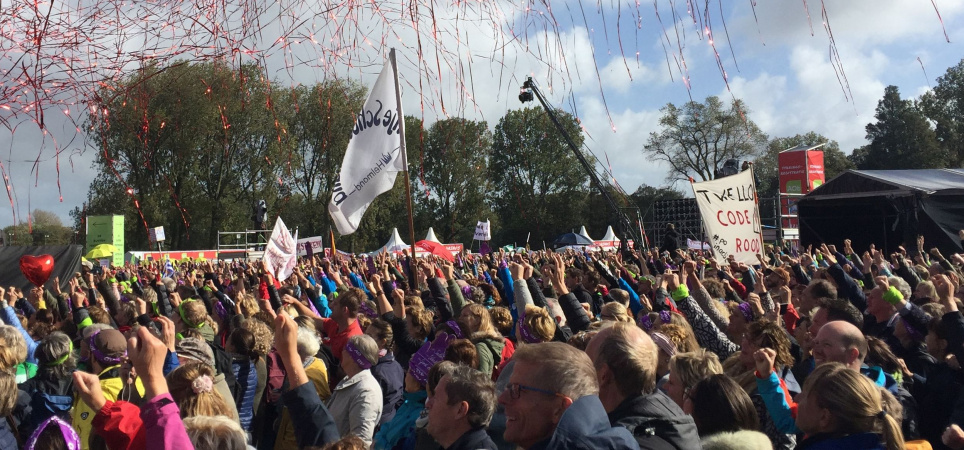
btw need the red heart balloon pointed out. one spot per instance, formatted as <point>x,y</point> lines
<point>37,269</point>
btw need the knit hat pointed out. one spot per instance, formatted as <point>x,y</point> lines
<point>196,349</point>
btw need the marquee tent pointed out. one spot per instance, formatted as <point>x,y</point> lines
<point>888,208</point>
<point>394,244</point>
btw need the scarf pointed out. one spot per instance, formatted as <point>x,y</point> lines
<point>403,424</point>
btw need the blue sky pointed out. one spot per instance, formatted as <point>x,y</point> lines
<point>785,74</point>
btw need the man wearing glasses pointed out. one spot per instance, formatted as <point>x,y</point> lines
<point>551,402</point>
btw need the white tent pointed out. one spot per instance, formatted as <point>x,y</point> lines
<point>430,236</point>
<point>394,244</point>
<point>585,233</point>
<point>610,236</point>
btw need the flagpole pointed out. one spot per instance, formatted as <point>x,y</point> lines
<point>408,184</point>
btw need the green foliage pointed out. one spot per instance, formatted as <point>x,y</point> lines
<point>43,228</point>
<point>698,138</point>
<point>901,138</point>
<point>945,107</point>
<point>196,144</point>
<point>455,164</point>
<point>645,196</point>
<point>538,185</point>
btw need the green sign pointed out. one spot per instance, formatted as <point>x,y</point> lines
<point>107,230</point>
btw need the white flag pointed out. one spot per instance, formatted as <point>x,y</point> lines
<point>729,209</point>
<point>281,253</point>
<point>374,155</point>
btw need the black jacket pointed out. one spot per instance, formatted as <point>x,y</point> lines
<point>476,439</point>
<point>656,422</point>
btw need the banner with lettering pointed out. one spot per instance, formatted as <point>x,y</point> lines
<point>310,246</point>
<point>731,217</point>
<point>374,155</point>
<point>281,253</point>
<point>483,231</point>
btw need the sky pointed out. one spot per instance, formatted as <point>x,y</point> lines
<point>612,64</point>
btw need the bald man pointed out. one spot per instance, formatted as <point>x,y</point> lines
<point>841,342</point>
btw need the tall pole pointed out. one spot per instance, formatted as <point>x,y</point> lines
<point>408,187</point>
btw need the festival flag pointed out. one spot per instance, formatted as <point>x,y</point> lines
<point>374,155</point>
<point>281,253</point>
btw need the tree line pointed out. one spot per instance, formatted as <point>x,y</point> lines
<point>193,146</point>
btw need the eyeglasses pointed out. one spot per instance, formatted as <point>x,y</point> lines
<point>515,390</point>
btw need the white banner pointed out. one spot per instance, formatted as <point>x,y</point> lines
<point>730,215</point>
<point>373,157</point>
<point>281,253</point>
<point>316,246</point>
<point>697,245</point>
<point>483,231</point>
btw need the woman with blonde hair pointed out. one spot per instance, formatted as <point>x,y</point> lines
<point>614,312</point>
<point>476,324</point>
<point>840,408</point>
<point>192,387</point>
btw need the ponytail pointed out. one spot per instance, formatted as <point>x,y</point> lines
<point>890,432</point>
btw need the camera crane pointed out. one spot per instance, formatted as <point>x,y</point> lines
<point>624,225</point>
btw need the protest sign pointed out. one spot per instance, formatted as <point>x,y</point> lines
<point>730,215</point>
<point>483,231</point>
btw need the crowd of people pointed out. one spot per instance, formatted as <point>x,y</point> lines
<point>817,348</point>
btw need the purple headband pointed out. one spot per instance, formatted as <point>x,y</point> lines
<point>98,354</point>
<point>70,436</point>
<point>747,312</point>
<point>527,335</point>
<point>647,323</point>
<point>455,329</point>
<point>357,356</point>
<point>367,310</point>
<point>220,310</point>
<point>914,334</point>
<point>665,316</point>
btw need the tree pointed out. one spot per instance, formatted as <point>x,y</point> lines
<point>538,185</point>
<point>455,165</point>
<point>945,107</point>
<point>190,146</point>
<point>320,119</point>
<point>766,168</point>
<point>645,196</point>
<point>901,138</point>
<point>698,138</point>
<point>44,228</point>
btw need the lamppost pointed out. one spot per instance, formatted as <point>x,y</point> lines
<point>10,236</point>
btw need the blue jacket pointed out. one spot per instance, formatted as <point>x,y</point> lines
<point>585,425</point>
<point>391,377</point>
<point>860,441</point>
<point>247,377</point>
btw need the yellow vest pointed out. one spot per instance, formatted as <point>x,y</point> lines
<point>82,415</point>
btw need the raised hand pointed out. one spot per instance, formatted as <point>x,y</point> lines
<point>87,386</point>
<point>147,353</point>
<point>764,359</point>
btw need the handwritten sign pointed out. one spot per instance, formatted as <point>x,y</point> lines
<point>731,216</point>
<point>483,231</point>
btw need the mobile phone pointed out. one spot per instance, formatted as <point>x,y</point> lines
<point>783,308</point>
